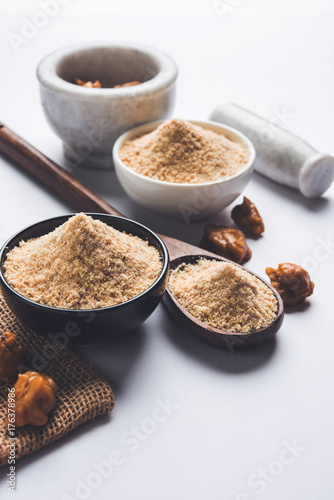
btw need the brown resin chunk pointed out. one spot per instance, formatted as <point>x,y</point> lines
<point>97,84</point>
<point>82,83</point>
<point>35,397</point>
<point>247,216</point>
<point>227,242</point>
<point>292,282</point>
<point>11,356</point>
<point>128,84</point>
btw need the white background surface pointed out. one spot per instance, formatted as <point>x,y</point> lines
<point>235,411</point>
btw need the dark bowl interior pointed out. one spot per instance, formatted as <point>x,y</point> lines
<point>86,326</point>
<point>110,65</point>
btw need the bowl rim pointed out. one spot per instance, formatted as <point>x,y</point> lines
<point>164,270</point>
<point>151,126</point>
<point>48,77</point>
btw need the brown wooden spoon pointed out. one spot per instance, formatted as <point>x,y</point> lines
<point>80,197</point>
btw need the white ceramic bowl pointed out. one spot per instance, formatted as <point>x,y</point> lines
<point>88,121</point>
<point>189,202</point>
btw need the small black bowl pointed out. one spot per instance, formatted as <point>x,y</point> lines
<point>85,326</point>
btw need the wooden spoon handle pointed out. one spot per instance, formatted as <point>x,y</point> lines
<point>51,175</point>
<point>178,248</point>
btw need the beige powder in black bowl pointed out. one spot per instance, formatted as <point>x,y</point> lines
<point>83,264</point>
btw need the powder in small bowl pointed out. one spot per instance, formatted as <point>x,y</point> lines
<point>180,152</point>
<point>82,264</point>
<point>223,295</point>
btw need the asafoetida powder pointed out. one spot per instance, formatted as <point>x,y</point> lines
<point>178,151</point>
<point>223,295</point>
<point>83,264</point>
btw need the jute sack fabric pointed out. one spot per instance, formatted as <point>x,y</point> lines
<point>82,394</point>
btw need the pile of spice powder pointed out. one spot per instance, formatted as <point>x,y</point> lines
<point>83,264</point>
<point>178,151</point>
<point>223,296</point>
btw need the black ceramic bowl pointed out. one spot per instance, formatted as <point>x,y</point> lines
<point>72,326</point>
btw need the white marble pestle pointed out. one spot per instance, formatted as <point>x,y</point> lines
<point>280,155</point>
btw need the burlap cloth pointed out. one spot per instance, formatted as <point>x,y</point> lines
<point>82,394</point>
